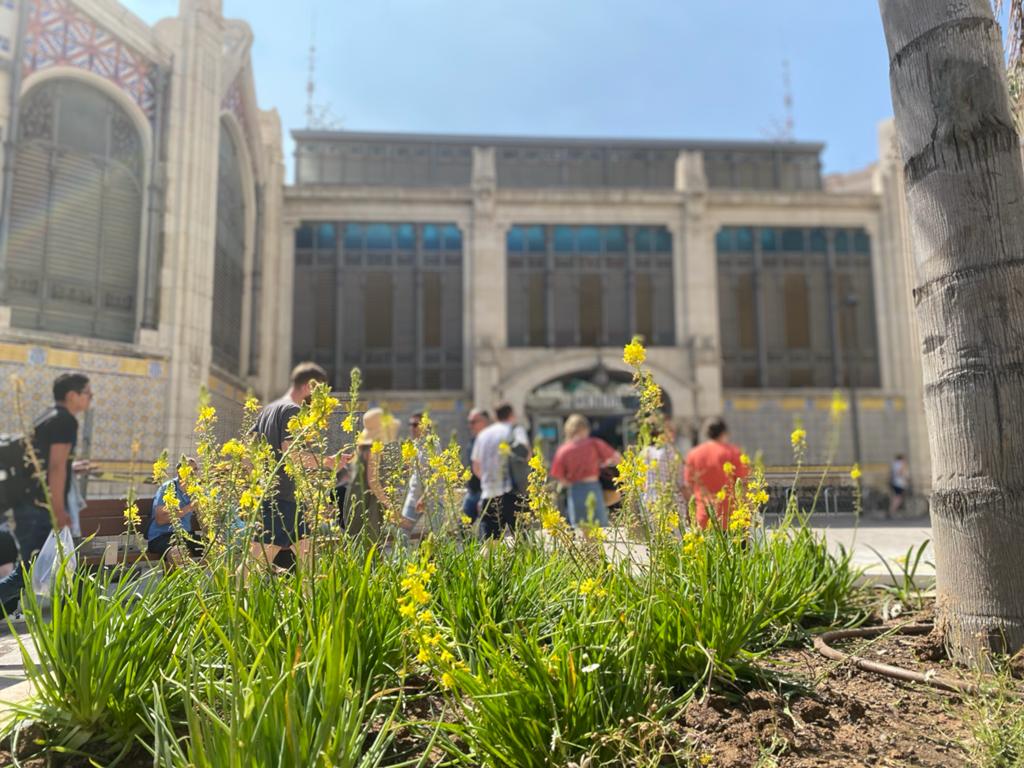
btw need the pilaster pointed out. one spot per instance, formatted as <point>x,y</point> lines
<point>486,328</point>
<point>190,221</point>
<point>697,287</point>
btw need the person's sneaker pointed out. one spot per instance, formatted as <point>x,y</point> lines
<point>16,616</point>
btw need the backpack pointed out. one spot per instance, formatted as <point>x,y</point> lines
<point>518,463</point>
<point>17,476</point>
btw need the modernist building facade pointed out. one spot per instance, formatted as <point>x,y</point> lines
<point>466,269</point>
<point>149,238</point>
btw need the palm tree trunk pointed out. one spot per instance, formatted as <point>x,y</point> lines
<point>965,197</point>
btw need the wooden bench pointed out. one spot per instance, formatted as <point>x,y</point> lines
<point>104,520</point>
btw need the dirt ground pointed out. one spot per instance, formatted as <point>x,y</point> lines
<point>813,712</point>
<point>842,717</point>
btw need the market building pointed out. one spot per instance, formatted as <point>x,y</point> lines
<point>148,237</point>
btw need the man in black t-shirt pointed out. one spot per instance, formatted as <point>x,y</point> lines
<point>54,436</point>
<point>283,524</point>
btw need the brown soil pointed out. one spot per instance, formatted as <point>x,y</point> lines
<point>843,717</point>
<point>816,712</point>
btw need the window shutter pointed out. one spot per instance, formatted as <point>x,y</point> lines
<point>29,201</point>
<point>72,246</point>
<point>118,267</point>
<point>229,256</point>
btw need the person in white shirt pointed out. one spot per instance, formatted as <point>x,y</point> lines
<point>492,451</point>
<point>899,481</point>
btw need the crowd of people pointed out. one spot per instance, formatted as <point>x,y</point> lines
<point>496,456</point>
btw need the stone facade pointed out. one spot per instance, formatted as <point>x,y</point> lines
<point>179,82</point>
<point>186,86</point>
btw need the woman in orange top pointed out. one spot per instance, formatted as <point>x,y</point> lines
<point>577,464</point>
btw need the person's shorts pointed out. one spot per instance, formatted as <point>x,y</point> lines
<point>897,491</point>
<point>159,545</point>
<point>282,523</point>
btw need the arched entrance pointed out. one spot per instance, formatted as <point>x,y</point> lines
<point>604,396</point>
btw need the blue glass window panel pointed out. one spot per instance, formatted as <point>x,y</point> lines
<point>452,238</point>
<point>432,237</point>
<point>588,239</point>
<point>642,239</point>
<point>515,239</point>
<point>535,239</point>
<point>406,236</point>
<point>725,240</point>
<point>842,241</point>
<point>379,236</point>
<point>792,239</point>
<point>564,239</point>
<point>769,241</point>
<point>662,240</point>
<point>353,235</point>
<point>744,239</point>
<point>304,237</point>
<point>325,237</point>
<point>615,239</point>
<point>861,242</point>
<point>819,243</point>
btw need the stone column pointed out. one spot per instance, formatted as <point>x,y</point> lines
<point>190,224</point>
<point>697,296</point>
<point>892,257</point>
<point>279,329</point>
<point>276,306</point>
<point>486,329</point>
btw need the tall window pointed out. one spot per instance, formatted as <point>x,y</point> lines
<point>584,286</point>
<point>229,257</point>
<point>76,213</point>
<point>783,310</point>
<point>383,297</point>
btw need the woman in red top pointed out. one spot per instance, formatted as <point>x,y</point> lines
<point>577,465</point>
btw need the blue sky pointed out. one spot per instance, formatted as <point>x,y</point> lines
<point>624,68</point>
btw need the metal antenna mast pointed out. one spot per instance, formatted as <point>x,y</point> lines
<point>311,82</point>
<point>788,131</point>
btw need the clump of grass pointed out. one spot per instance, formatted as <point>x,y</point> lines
<point>995,719</point>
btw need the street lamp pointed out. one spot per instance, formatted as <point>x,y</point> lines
<point>854,353</point>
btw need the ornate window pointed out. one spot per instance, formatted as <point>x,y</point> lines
<point>784,305</point>
<point>229,257</point>
<point>76,214</point>
<point>383,297</point>
<point>586,286</point>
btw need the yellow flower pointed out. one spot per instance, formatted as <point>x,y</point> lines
<point>408,452</point>
<point>592,587</point>
<point>160,468</point>
<point>171,499</point>
<point>233,449</point>
<point>722,493</point>
<point>185,471</point>
<point>377,447</point>
<point>207,414</point>
<point>839,406</point>
<point>131,515</point>
<point>348,424</point>
<point>447,680</point>
<point>467,520</point>
<point>797,437</point>
<point>251,405</point>
<point>634,354</point>
<point>744,460</point>
<point>728,467</point>
<point>855,473</point>
<point>504,449</point>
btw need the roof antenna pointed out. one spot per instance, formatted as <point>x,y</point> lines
<point>311,82</point>
<point>788,130</point>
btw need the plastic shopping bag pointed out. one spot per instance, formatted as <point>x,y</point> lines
<point>48,562</point>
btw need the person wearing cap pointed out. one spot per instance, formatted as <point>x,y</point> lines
<point>367,503</point>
